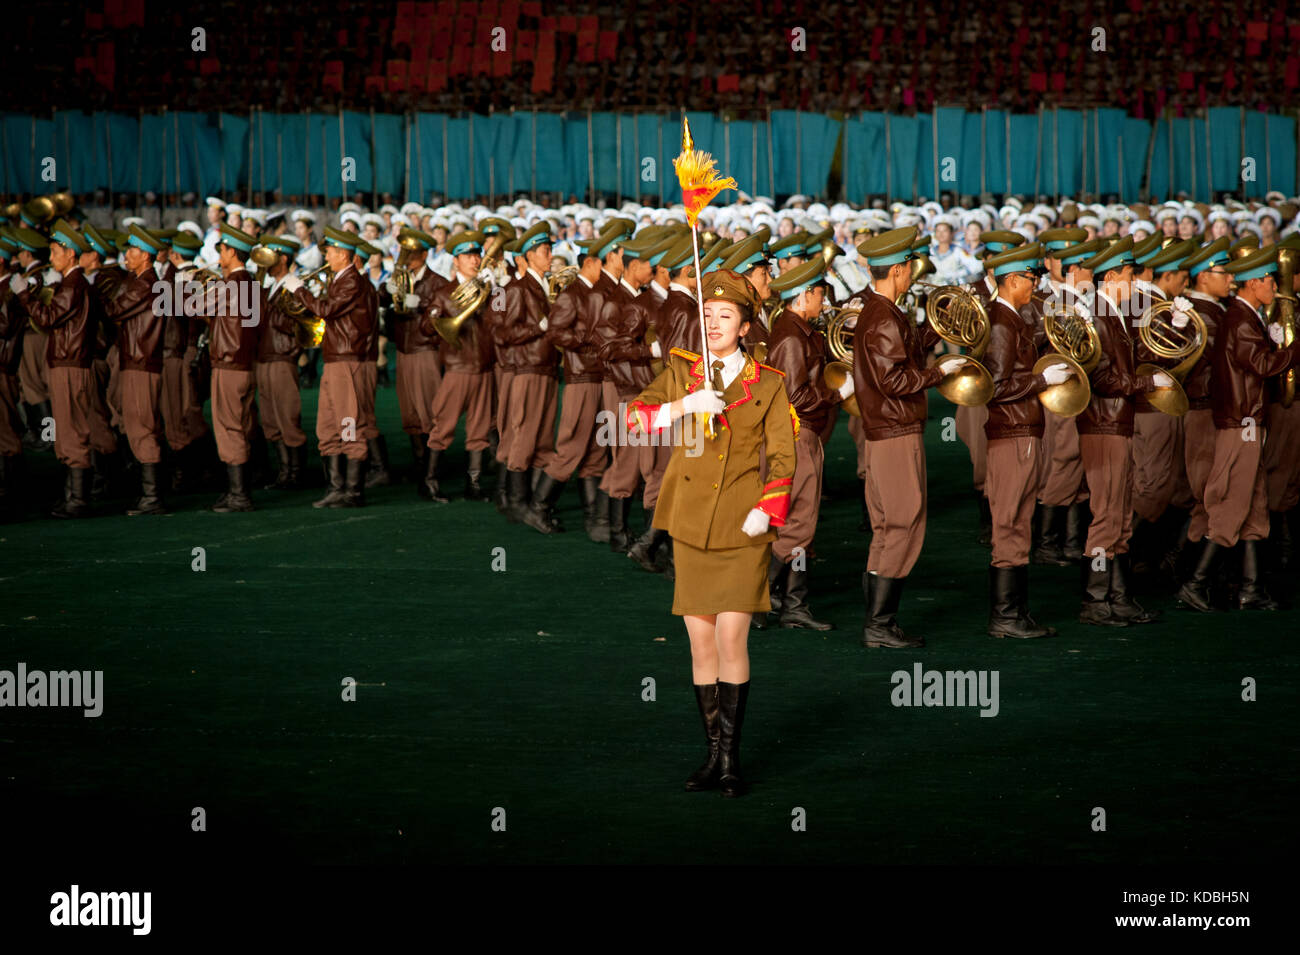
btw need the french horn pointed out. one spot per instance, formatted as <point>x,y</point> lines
<point>959,318</point>
<point>1183,346</point>
<point>1075,343</point>
<point>839,347</point>
<point>470,295</point>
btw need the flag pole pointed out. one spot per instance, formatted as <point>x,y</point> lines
<point>704,332</point>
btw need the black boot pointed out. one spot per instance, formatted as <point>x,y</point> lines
<point>1195,593</point>
<point>377,455</point>
<point>429,488</point>
<point>986,521</point>
<point>282,475</point>
<point>619,508</point>
<point>1022,598</point>
<point>354,483</point>
<point>1076,531</point>
<point>297,466</point>
<point>643,549</point>
<point>664,562</point>
<point>419,462</point>
<point>1096,608</point>
<point>236,498</point>
<point>517,496</point>
<point>1007,614</point>
<point>775,588</point>
<point>1122,604</point>
<point>1175,557</point>
<point>104,474</point>
<point>333,464</point>
<point>1253,595</point>
<point>150,493</point>
<point>706,777</point>
<point>882,596</point>
<point>795,612</point>
<point>731,718</point>
<point>595,510</point>
<point>473,472</point>
<point>1051,537</point>
<point>76,502</point>
<point>1143,547</point>
<point>502,492</point>
<point>538,514</point>
<point>1280,548</point>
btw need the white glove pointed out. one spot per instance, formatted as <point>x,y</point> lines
<point>756,522</point>
<point>950,364</point>
<point>391,287</point>
<point>656,350</point>
<point>1057,373</point>
<point>292,283</point>
<point>17,283</point>
<point>1182,312</point>
<point>90,276</point>
<point>703,402</point>
<point>542,324</point>
<point>1180,319</point>
<point>1277,333</point>
<point>52,277</point>
<point>846,389</point>
<point>412,300</point>
<point>1162,380</point>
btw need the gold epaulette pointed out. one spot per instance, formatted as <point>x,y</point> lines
<point>690,356</point>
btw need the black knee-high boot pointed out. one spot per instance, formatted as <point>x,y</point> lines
<point>706,777</point>
<point>732,698</point>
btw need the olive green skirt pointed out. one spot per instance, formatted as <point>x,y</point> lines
<point>716,581</point>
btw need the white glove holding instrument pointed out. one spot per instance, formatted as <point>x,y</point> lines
<point>1277,333</point>
<point>1182,308</point>
<point>949,365</point>
<point>756,522</point>
<point>391,287</point>
<point>655,350</point>
<point>542,324</point>
<point>846,389</point>
<point>1162,380</point>
<point>292,283</point>
<point>1058,373</point>
<point>17,283</point>
<point>703,402</point>
<point>412,300</point>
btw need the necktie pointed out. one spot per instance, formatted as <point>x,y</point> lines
<point>717,376</point>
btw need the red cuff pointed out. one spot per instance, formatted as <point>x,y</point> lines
<point>641,416</point>
<point>775,502</point>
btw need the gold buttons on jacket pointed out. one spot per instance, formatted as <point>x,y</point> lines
<point>721,457</point>
<point>715,487</point>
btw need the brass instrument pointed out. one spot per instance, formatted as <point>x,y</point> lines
<point>839,346</point>
<point>921,265</point>
<point>470,295</point>
<point>404,281</point>
<point>959,318</point>
<point>1076,344</point>
<point>1283,310</point>
<point>309,328</point>
<point>264,256</point>
<point>559,280</point>
<point>1184,345</point>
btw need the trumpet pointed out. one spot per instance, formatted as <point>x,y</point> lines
<point>1166,341</point>
<point>959,318</point>
<point>1075,343</point>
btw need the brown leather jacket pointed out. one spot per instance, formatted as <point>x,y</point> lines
<point>350,310</point>
<point>139,329</point>
<point>677,316</point>
<point>176,328</point>
<point>1114,381</point>
<point>889,373</point>
<point>1014,409</point>
<point>232,337</point>
<point>68,318</point>
<point>570,326</point>
<point>408,329</point>
<point>519,329</point>
<point>1197,381</point>
<point>1142,300</point>
<point>799,352</point>
<point>620,327</point>
<point>1244,356</point>
<point>475,352</point>
<point>277,338</point>
<point>13,322</point>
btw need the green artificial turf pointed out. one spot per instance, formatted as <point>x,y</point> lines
<point>522,689</point>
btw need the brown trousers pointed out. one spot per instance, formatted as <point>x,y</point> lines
<point>1061,476</point>
<point>182,411</point>
<point>345,413</point>
<point>805,498</point>
<point>140,418</point>
<point>970,428</point>
<point>1199,435</point>
<point>1282,457</point>
<point>654,462</point>
<point>419,376</point>
<point>1157,462</point>
<point>860,442</point>
<point>504,378</point>
<point>467,394</point>
<point>532,404</point>
<point>11,422</point>
<point>113,393</point>
<point>279,403</point>
<point>1108,465</point>
<point>232,413</point>
<point>1013,469</point>
<point>1235,501</point>
<point>896,501</point>
<point>33,375</point>
<point>575,445</point>
<point>74,402</point>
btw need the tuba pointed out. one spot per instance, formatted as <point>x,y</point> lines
<point>959,318</point>
<point>403,276</point>
<point>1076,344</point>
<point>1165,341</point>
<point>1283,310</point>
<point>839,347</point>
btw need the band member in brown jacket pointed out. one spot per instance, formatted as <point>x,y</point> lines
<point>279,402</point>
<point>719,511</point>
<point>1247,352</point>
<point>140,321</point>
<point>890,379</point>
<point>346,410</point>
<point>67,319</point>
<point>1106,444</point>
<point>11,422</point>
